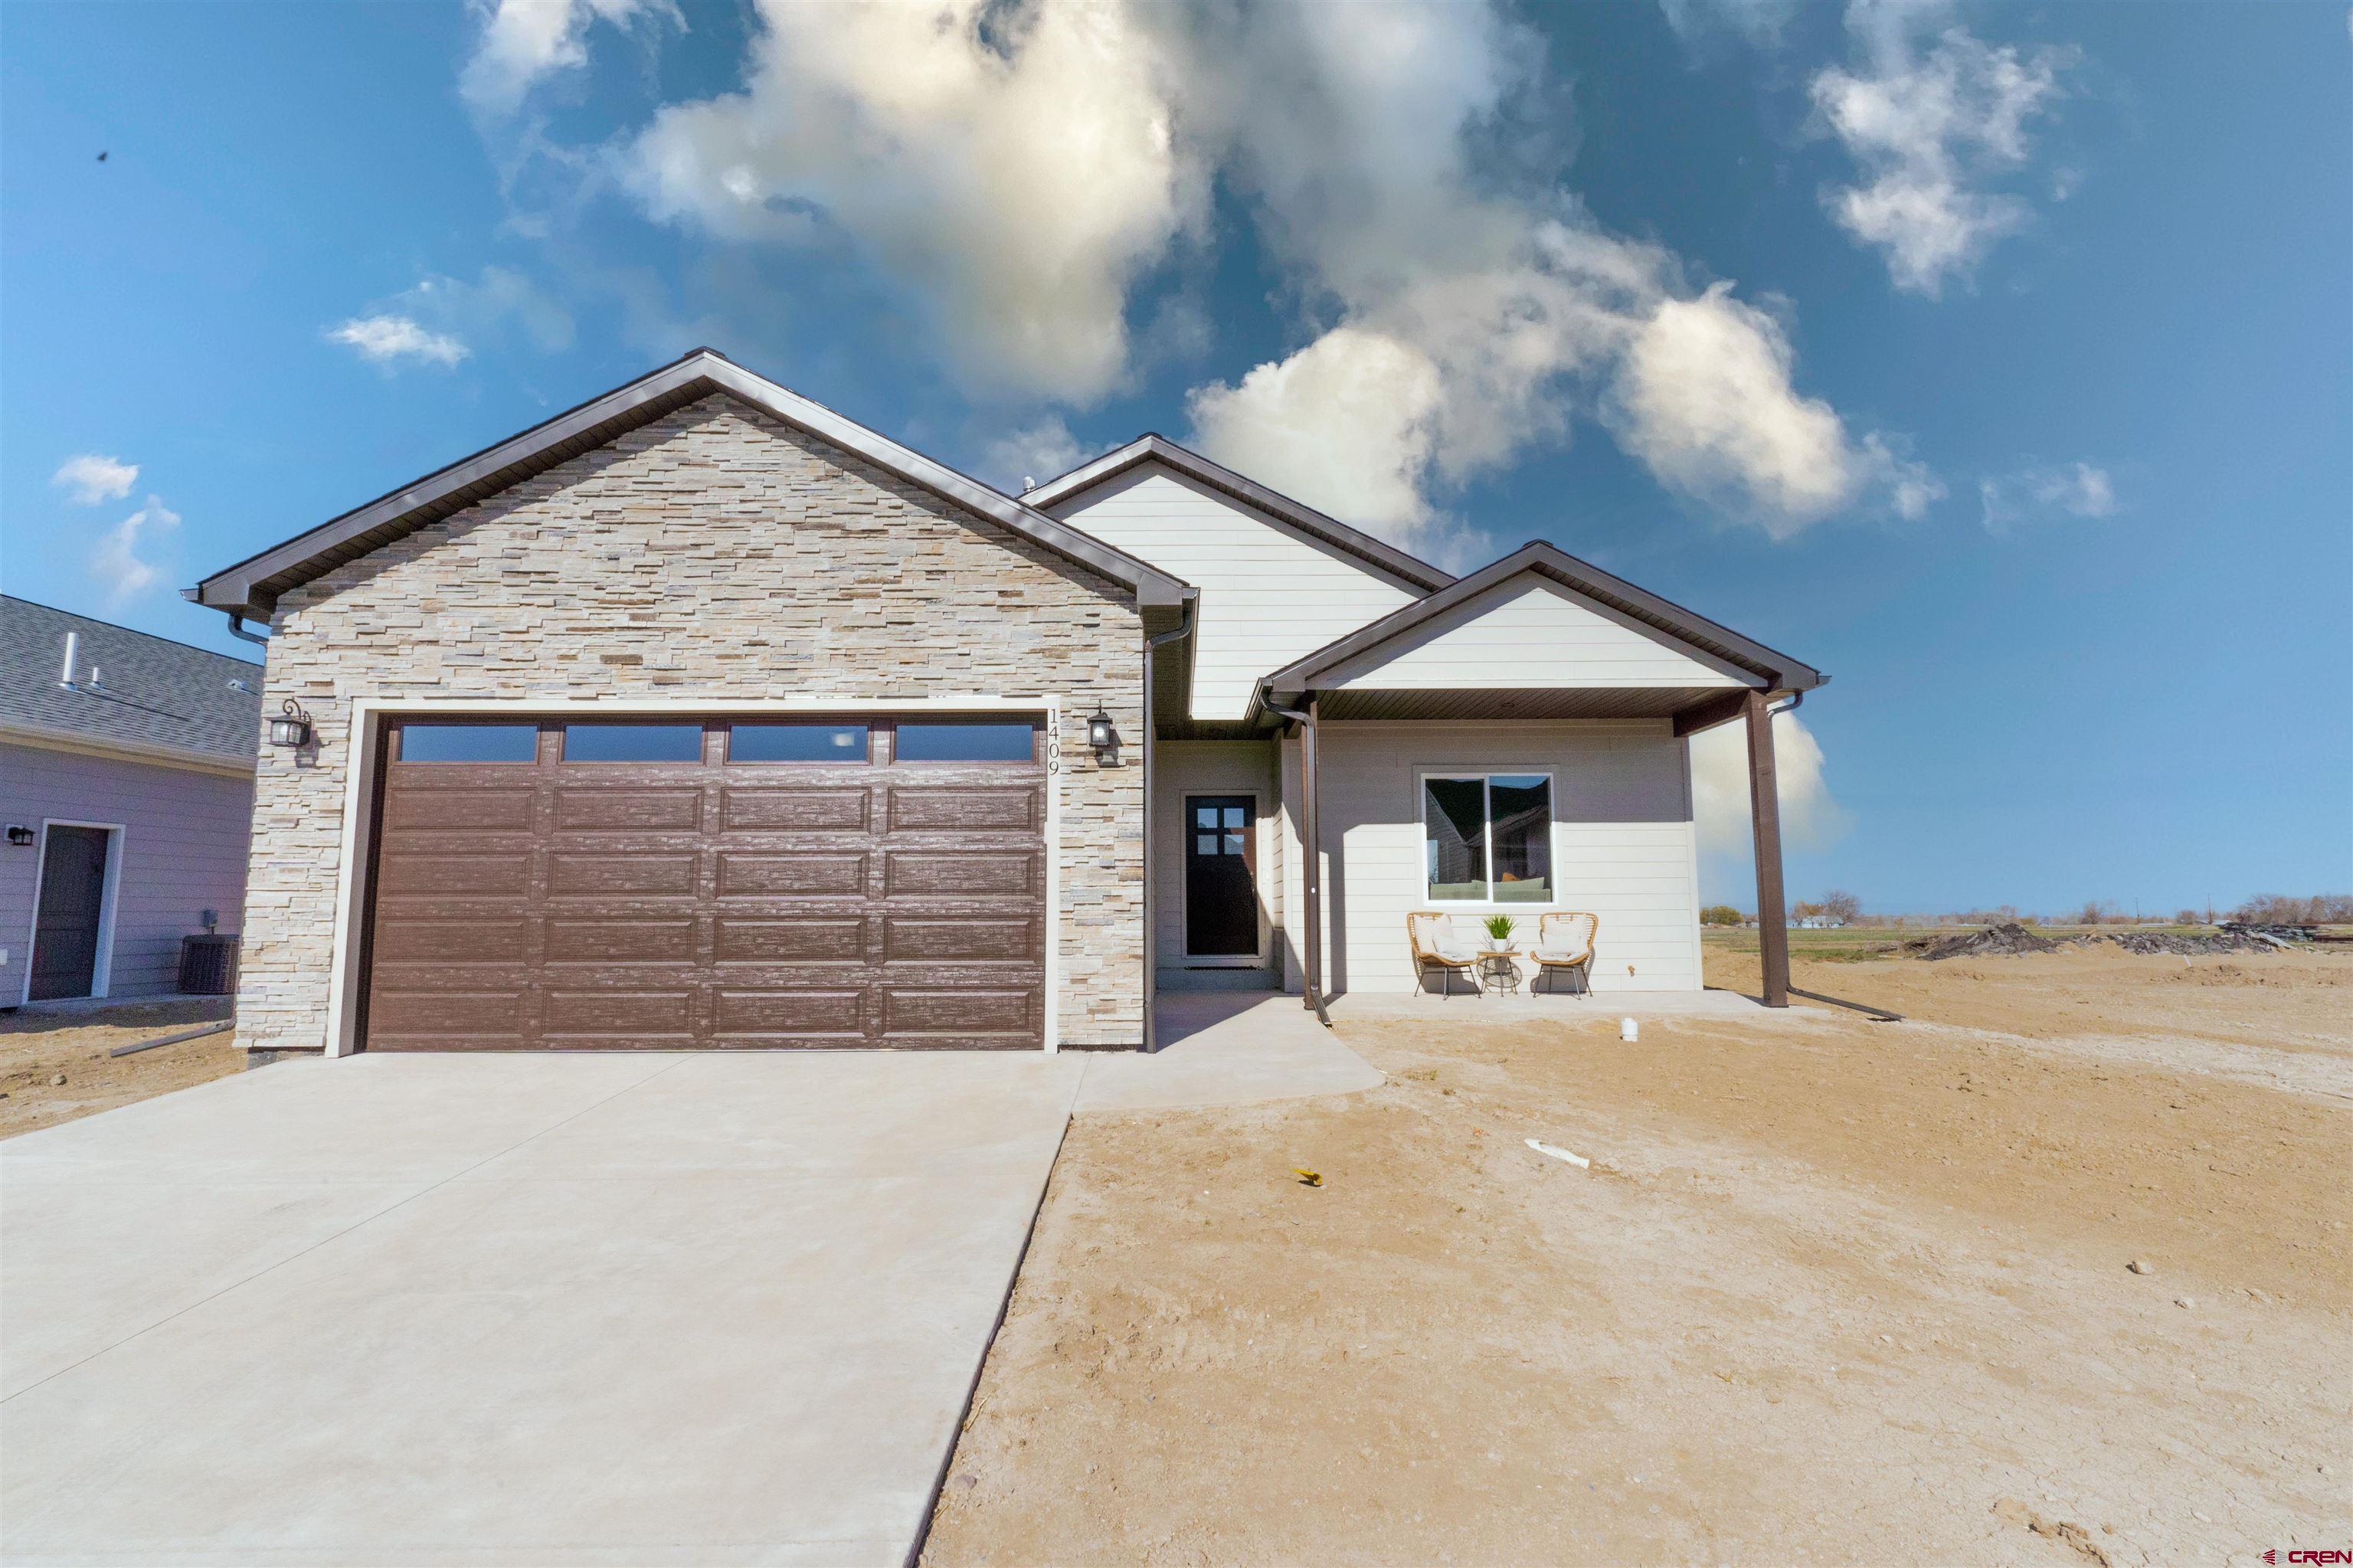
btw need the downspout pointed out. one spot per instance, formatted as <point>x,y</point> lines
<point>237,628</point>
<point>1310,878</point>
<point>1152,646</point>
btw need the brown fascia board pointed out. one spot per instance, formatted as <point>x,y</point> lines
<point>251,587</point>
<point>1778,671</point>
<point>1387,558</point>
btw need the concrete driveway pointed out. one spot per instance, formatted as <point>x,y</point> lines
<point>512,1310</point>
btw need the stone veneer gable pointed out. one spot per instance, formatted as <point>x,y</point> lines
<point>716,554</point>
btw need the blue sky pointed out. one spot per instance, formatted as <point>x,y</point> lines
<point>1997,360</point>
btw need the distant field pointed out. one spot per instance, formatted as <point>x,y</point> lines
<point>1846,943</point>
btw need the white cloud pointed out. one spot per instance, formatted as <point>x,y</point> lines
<point>2076,489</point>
<point>524,41</point>
<point>468,313</point>
<point>1929,133</point>
<point>123,559</point>
<point>1347,424</point>
<point>1038,451</point>
<point>94,479</point>
<point>1810,818</point>
<point>1706,398</point>
<point>390,339</point>
<point>1023,170</point>
<point>1020,185</point>
<point>1475,322</point>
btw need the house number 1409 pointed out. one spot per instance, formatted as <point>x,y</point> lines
<point>1054,740</point>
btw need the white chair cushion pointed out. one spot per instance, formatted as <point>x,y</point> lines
<point>1555,955</point>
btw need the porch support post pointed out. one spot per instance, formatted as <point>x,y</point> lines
<point>1312,874</point>
<point>1764,815</point>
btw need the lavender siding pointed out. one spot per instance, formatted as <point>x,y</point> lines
<point>184,852</point>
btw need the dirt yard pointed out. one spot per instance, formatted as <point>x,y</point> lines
<point>1833,1291</point>
<point>40,1049</point>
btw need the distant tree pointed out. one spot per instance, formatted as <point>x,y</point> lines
<point>1720,915</point>
<point>2273,908</point>
<point>2185,917</point>
<point>1804,911</point>
<point>1843,908</point>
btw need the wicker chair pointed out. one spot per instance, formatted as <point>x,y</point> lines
<point>1435,946</point>
<point>1565,942</point>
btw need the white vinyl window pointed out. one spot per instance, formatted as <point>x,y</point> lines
<point>1487,837</point>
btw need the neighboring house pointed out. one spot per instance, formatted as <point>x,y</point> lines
<point>701,715</point>
<point>126,788</point>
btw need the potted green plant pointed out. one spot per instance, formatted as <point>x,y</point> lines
<point>1499,931</point>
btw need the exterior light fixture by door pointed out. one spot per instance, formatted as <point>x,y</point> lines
<point>291,728</point>
<point>19,836</point>
<point>1103,739</point>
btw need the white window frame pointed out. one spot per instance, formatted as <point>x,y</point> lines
<point>1486,776</point>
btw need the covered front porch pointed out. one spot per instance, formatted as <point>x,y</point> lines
<point>1513,745</point>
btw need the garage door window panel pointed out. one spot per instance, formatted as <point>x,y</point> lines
<point>835,742</point>
<point>633,743</point>
<point>511,743</point>
<point>975,741</point>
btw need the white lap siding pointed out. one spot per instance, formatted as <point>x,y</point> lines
<point>183,853</point>
<point>1269,593</point>
<point>1622,846</point>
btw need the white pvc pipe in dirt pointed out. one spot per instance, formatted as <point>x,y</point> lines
<point>1629,1029</point>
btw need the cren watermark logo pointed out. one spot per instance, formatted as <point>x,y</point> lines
<point>2313,1554</point>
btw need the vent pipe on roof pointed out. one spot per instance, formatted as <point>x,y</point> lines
<point>73,652</point>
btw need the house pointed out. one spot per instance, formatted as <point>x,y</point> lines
<point>701,715</point>
<point>126,788</point>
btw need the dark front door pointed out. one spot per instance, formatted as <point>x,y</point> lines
<point>1221,876</point>
<point>73,900</point>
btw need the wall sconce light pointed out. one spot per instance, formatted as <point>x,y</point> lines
<point>1103,739</point>
<point>19,834</point>
<point>291,728</point>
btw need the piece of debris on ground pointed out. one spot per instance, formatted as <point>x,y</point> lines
<point>56,1066</point>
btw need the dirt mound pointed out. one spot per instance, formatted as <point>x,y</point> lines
<point>2228,939</point>
<point>2010,938</point>
<point>1997,942</point>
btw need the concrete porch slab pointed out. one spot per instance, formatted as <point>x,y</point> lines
<point>1226,1048</point>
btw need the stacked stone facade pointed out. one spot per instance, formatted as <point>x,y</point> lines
<point>716,556</point>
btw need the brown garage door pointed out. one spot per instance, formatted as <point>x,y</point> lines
<point>541,884</point>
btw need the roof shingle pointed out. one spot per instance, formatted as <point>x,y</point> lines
<point>130,687</point>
